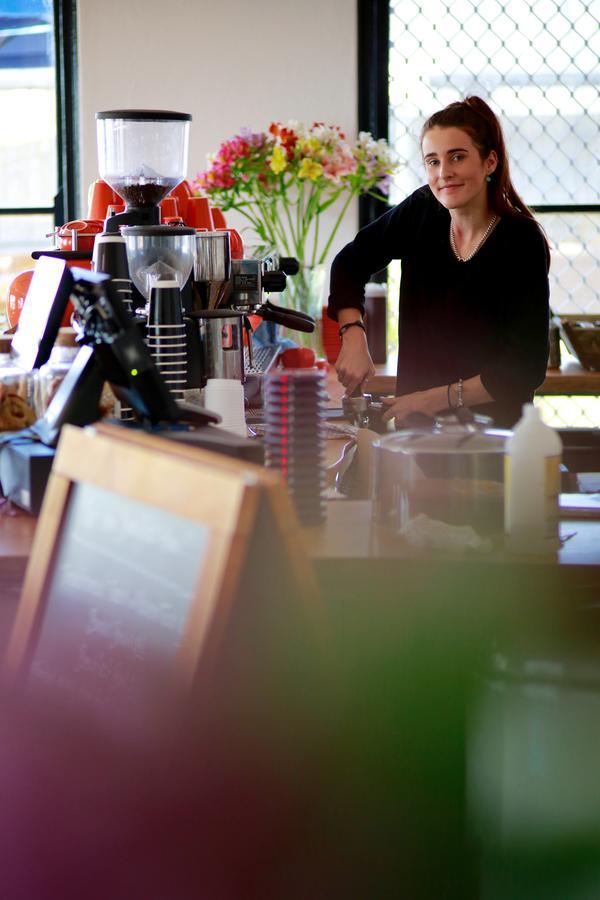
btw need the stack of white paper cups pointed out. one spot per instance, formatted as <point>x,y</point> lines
<point>165,336</point>
<point>225,396</point>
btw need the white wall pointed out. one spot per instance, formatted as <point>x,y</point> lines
<point>230,63</point>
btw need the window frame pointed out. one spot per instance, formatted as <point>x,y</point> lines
<point>65,49</point>
<point>373,97</point>
<point>373,22</point>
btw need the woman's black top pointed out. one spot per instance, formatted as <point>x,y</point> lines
<point>488,316</point>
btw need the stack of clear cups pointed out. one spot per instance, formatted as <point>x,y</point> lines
<point>295,436</point>
<point>165,335</point>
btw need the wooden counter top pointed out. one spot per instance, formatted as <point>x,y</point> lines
<point>16,534</point>
<point>16,538</point>
<point>350,533</point>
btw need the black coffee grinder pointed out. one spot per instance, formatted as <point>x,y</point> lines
<point>142,155</point>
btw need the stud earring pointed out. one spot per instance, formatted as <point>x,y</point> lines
<point>488,178</point>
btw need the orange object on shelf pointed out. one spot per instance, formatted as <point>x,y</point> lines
<point>169,207</point>
<point>218,217</point>
<point>237,244</point>
<point>198,214</point>
<point>182,193</point>
<point>100,197</point>
<point>86,230</point>
<point>17,294</point>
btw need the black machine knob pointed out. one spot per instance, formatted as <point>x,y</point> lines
<point>274,281</point>
<point>289,265</point>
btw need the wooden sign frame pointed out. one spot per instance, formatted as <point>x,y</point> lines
<point>238,502</point>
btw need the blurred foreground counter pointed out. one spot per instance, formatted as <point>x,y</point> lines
<point>357,559</point>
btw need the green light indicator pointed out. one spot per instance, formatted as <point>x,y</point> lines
<point>134,372</point>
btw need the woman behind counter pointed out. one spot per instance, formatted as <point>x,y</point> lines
<point>474,315</point>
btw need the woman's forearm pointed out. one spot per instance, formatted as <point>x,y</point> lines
<point>473,393</point>
<point>434,400</point>
<point>347,315</point>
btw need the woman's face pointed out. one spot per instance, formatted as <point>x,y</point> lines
<point>456,172</point>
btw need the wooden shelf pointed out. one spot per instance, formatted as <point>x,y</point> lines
<point>571,379</point>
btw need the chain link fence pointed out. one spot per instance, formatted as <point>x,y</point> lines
<point>536,63</point>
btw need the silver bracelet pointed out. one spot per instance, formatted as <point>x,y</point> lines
<point>459,395</point>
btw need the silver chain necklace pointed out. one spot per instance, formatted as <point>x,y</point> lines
<point>486,233</point>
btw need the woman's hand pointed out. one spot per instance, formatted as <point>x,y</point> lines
<point>426,402</point>
<point>354,364</point>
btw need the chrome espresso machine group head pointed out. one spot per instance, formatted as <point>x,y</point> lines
<point>226,292</point>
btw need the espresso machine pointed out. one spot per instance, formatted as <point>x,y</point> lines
<point>226,293</point>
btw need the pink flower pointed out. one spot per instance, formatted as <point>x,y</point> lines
<point>200,183</point>
<point>218,176</point>
<point>339,163</point>
<point>234,149</point>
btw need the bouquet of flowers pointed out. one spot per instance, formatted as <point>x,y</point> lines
<point>282,180</point>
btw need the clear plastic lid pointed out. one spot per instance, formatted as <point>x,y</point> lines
<point>448,435</point>
<point>159,252</point>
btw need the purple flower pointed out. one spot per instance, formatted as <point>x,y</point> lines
<point>383,185</point>
<point>254,138</point>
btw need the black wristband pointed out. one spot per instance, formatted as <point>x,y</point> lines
<point>348,325</point>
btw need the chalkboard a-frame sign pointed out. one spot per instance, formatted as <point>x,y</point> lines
<point>142,548</point>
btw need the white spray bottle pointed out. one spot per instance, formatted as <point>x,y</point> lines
<point>532,485</point>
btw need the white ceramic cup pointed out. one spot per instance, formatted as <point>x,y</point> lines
<point>225,396</point>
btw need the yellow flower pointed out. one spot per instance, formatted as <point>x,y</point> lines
<point>278,160</point>
<point>310,169</point>
<point>310,146</point>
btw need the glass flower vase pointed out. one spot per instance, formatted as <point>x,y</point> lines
<point>306,292</point>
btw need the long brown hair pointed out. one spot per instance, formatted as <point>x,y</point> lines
<point>474,116</point>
